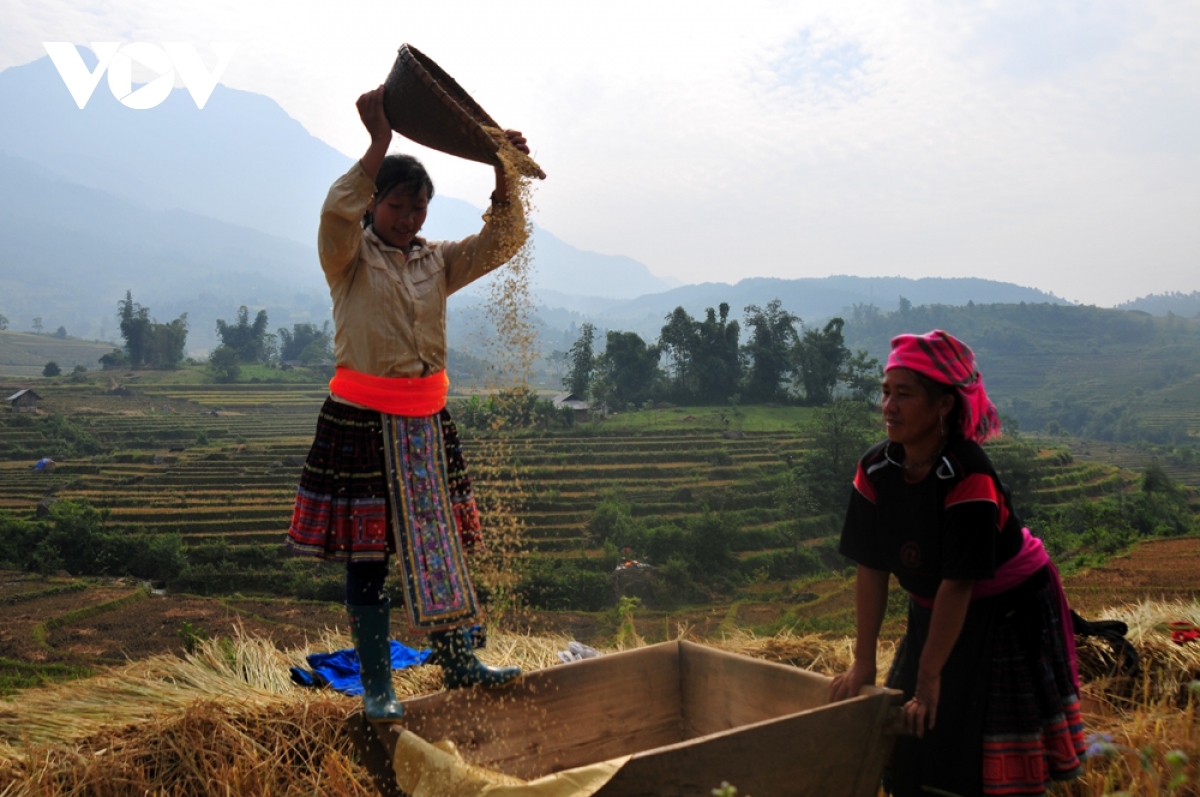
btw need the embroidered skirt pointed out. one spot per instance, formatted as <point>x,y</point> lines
<point>377,484</point>
<point>1008,720</point>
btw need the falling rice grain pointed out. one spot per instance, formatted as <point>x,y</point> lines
<point>511,350</point>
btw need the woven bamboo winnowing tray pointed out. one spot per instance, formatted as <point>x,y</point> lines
<point>425,104</point>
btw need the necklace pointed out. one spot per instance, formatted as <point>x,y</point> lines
<point>925,463</point>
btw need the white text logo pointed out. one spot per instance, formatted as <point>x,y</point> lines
<point>164,61</point>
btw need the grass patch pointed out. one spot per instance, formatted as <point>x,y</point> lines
<point>18,675</point>
<point>745,419</point>
<point>41,630</point>
<point>22,597</point>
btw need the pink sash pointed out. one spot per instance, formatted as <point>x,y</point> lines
<point>1031,558</point>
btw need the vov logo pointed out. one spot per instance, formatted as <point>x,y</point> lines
<point>118,60</point>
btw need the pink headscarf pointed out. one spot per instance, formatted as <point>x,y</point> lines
<point>947,360</point>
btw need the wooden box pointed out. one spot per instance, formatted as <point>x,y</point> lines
<point>689,716</point>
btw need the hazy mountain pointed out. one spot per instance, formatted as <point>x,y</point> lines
<point>559,268</point>
<point>241,160</point>
<point>820,297</point>
<point>200,211</point>
<point>814,299</point>
<point>68,253</point>
<point>1181,304</point>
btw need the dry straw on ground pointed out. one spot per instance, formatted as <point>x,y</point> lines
<point>227,720</point>
<point>1169,670</point>
<point>817,652</point>
<point>1150,719</point>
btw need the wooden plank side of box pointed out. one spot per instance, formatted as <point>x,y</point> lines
<point>723,690</point>
<point>560,717</point>
<point>819,752</point>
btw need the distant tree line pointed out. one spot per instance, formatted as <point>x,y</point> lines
<point>150,344</point>
<point>511,409</point>
<point>246,343</point>
<point>37,326</point>
<point>704,361</point>
<point>1021,347</point>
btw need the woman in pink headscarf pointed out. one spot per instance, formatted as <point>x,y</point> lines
<point>988,662</point>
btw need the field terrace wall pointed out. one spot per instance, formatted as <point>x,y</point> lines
<point>237,483</point>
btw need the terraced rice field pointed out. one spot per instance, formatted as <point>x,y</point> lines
<point>211,461</point>
<point>1128,456</point>
<point>1163,570</point>
<point>105,621</point>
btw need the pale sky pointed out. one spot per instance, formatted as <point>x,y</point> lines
<point>1051,144</point>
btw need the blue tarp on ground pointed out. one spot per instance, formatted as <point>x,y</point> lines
<point>339,670</point>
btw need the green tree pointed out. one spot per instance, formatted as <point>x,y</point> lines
<point>248,340</point>
<point>708,545</point>
<point>798,505</point>
<point>1155,479</point>
<point>51,369</point>
<point>135,328</point>
<point>705,359</point>
<point>3,322</point>
<point>676,342</point>
<point>166,342</point>
<point>627,372</point>
<point>147,342</point>
<point>862,375</point>
<point>37,325</point>
<point>61,333</point>
<point>840,435</point>
<point>77,538</point>
<point>612,524</point>
<point>306,343</point>
<point>772,338</point>
<point>223,363</point>
<point>117,358</point>
<point>581,362</point>
<point>819,357</point>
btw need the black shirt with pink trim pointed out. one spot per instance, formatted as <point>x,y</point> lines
<point>957,522</point>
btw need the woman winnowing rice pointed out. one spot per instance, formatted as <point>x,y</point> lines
<point>385,475</point>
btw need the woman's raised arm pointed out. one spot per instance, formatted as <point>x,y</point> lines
<point>370,111</point>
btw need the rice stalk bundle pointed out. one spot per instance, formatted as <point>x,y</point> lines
<point>242,670</point>
<point>209,747</point>
<point>1168,668</point>
<point>817,652</point>
<point>226,720</point>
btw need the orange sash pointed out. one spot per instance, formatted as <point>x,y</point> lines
<point>411,397</point>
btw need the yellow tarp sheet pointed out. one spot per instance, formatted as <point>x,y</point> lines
<point>438,770</point>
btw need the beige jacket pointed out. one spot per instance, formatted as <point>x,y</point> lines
<point>389,312</point>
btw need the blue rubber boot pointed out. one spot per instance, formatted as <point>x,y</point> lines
<point>371,633</point>
<point>454,652</point>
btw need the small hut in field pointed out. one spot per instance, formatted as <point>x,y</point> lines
<point>576,403</point>
<point>24,401</point>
